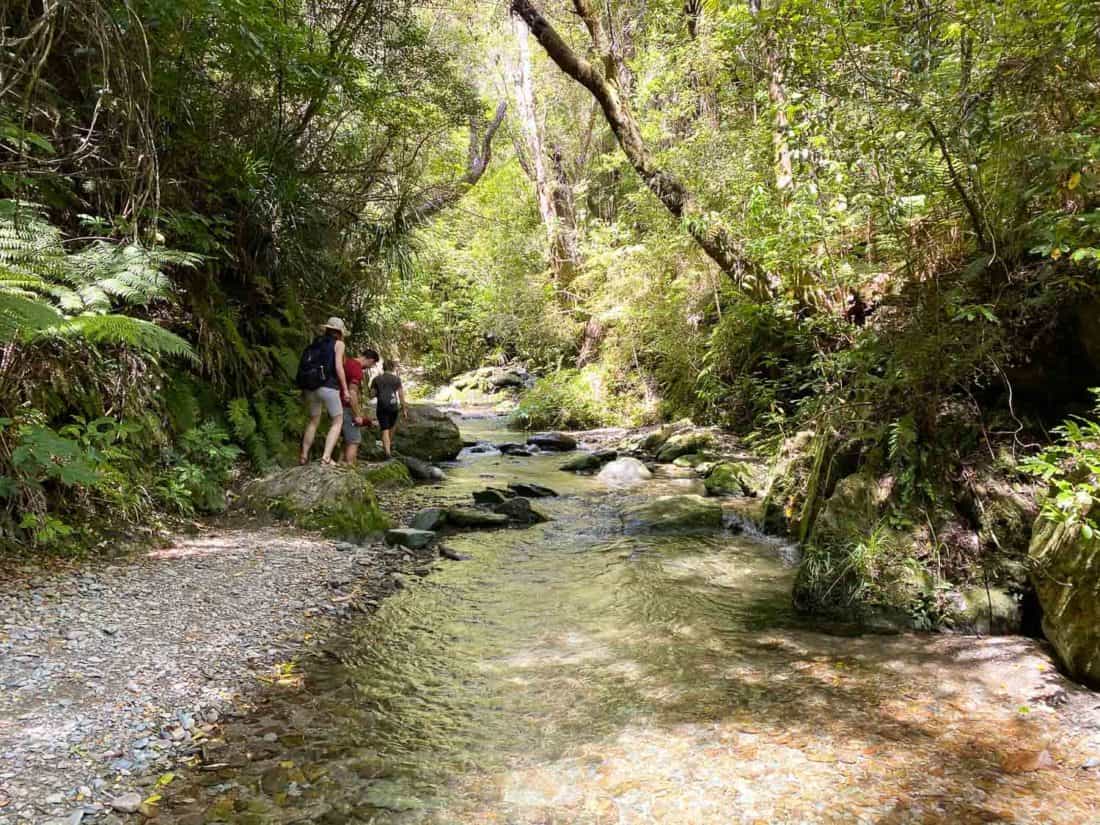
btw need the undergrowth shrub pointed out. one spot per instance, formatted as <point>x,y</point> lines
<point>573,399</point>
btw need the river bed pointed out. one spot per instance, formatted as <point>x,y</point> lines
<point>567,673</point>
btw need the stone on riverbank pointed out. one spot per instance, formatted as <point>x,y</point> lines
<point>334,498</point>
<point>1066,574</point>
<point>409,537</point>
<point>553,442</point>
<point>429,434</point>
<point>674,514</point>
<point>422,470</point>
<point>624,471</point>
<point>430,518</point>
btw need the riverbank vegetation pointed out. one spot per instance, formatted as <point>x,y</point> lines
<point>864,236</point>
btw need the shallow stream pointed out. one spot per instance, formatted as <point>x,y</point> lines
<point>567,673</point>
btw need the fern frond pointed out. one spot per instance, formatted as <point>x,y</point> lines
<point>143,336</point>
<point>20,315</point>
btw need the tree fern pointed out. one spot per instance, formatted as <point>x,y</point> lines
<point>46,291</point>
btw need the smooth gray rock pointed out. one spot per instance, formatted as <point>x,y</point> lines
<point>624,471</point>
<point>409,537</point>
<point>430,518</point>
<point>128,803</point>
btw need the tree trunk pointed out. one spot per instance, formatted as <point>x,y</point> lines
<point>777,96</point>
<point>713,239</point>
<point>555,197</point>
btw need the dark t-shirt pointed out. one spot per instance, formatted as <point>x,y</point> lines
<point>353,372</point>
<point>385,386</point>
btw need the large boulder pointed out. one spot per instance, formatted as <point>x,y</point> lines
<point>335,498</point>
<point>674,514</point>
<point>854,507</point>
<point>429,434</point>
<point>623,471</point>
<point>1066,574</point>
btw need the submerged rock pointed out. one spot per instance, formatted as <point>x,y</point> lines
<point>624,471</point>
<point>520,511</point>
<point>472,517</point>
<point>531,490</point>
<point>554,442</point>
<point>513,449</point>
<point>1066,574</point>
<point>674,514</point>
<point>490,496</point>
<point>583,463</point>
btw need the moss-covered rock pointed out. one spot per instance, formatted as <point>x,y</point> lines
<point>684,443</point>
<point>992,611</point>
<point>392,474</point>
<point>728,478</point>
<point>336,499</point>
<point>1066,574</point>
<point>674,514</point>
<point>786,487</point>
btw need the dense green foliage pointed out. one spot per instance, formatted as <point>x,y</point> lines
<point>912,190</point>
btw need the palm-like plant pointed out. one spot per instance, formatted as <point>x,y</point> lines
<point>46,291</point>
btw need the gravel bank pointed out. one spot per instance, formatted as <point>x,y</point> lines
<point>113,672</point>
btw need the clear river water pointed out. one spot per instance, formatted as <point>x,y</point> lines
<point>568,673</point>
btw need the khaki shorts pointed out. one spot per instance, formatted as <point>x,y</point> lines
<point>326,398</point>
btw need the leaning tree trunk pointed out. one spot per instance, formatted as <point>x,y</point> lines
<point>604,85</point>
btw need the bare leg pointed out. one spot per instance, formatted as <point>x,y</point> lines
<point>307,438</point>
<point>331,438</point>
<point>351,453</point>
<point>386,437</point>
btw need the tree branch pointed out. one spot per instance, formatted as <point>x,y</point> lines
<point>481,153</point>
<point>715,241</point>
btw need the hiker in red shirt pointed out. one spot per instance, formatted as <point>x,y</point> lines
<point>354,416</point>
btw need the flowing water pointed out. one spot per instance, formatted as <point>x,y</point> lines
<point>567,673</point>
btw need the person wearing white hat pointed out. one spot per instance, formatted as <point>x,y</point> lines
<point>326,387</point>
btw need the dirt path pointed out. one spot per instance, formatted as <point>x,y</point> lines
<point>113,672</point>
